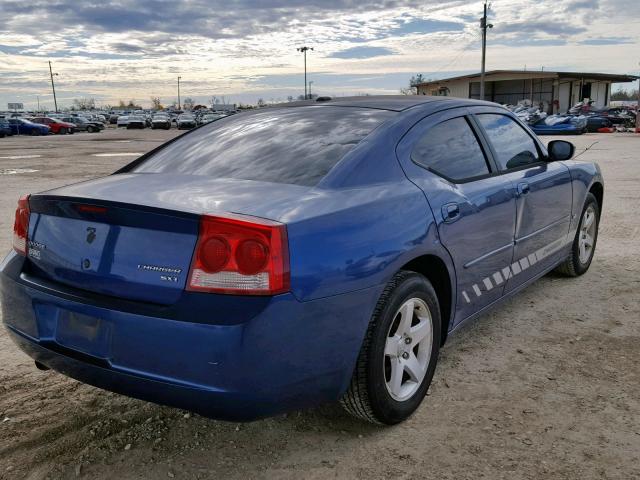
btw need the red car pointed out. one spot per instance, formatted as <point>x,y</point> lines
<point>56,126</point>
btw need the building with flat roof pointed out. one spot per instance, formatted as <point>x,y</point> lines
<point>553,91</point>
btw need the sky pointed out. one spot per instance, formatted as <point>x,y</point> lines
<point>243,50</point>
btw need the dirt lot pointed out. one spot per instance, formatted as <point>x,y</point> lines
<point>546,386</point>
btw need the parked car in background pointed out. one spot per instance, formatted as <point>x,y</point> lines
<point>56,125</point>
<point>136,121</point>
<point>291,256</point>
<point>594,123</point>
<point>186,121</point>
<point>84,125</point>
<point>211,117</point>
<point>123,121</point>
<point>21,126</point>
<point>161,120</point>
<point>5,128</point>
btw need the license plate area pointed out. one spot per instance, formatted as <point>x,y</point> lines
<point>84,333</point>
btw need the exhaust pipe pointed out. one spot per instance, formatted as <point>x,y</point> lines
<point>41,366</point>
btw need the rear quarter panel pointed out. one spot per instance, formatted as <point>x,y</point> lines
<point>358,238</point>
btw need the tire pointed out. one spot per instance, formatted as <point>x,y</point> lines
<point>578,261</point>
<point>34,132</point>
<point>62,131</point>
<point>371,396</point>
<point>90,129</point>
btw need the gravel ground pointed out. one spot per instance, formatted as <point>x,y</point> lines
<point>545,386</point>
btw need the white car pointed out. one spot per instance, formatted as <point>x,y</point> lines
<point>123,121</point>
<point>211,117</point>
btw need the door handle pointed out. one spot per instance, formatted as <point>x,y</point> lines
<point>450,212</point>
<point>523,188</point>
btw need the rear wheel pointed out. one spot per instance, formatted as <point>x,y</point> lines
<point>91,129</point>
<point>398,357</point>
<point>584,243</point>
<point>62,131</point>
<point>34,132</point>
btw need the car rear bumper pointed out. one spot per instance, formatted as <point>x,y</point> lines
<point>284,356</point>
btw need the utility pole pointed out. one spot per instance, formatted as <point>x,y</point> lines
<point>179,105</point>
<point>310,82</point>
<point>484,26</point>
<point>53,87</point>
<point>38,97</point>
<point>638,107</point>
<point>304,51</point>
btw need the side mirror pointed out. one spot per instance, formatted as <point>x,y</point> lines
<point>560,150</point>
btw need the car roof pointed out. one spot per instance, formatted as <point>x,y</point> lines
<point>396,103</point>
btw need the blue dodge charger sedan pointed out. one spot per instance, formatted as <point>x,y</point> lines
<point>295,255</point>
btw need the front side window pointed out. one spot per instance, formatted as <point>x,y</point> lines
<point>451,150</point>
<point>514,147</point>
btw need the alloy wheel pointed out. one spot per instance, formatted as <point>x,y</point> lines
<point>587,234</point>
<point>408,349</point>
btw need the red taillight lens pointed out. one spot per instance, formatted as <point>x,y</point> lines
<point>214,254</point>
<point>21,226</point>
<point>251,256</point>
<point>240,255</point>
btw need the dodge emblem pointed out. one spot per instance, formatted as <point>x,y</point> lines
<point>91,234</point>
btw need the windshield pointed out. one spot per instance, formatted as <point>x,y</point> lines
<point>289,145</point>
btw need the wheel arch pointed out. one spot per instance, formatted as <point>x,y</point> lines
<point>597,190</point>
<point>436,271</point>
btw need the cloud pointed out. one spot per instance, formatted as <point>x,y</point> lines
<point>420,25</point>
<point>362,52</point>
<point>549,27</point>
<point>607,41</point>
<point>582,5</point>
<point>247,48</point>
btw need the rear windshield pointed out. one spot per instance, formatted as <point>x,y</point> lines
<point>290,145</point>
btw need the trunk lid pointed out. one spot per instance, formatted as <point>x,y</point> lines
<point>133,235</point>
<point>111,249</point>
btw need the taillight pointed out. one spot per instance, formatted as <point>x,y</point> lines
<point>21,226</point>
<point>240,254</point>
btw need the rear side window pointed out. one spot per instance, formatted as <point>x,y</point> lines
<point>451,150</point>
<point>297,145</point>
<point>514,147</point>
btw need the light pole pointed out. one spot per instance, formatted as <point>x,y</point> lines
<point>484,26</point>
<point>304,51</point>
<point>310,82</point>
<point>53,86</point>
<point>179,106</point>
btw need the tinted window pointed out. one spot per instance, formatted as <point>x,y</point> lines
<point>451,150</point>
<point>290,145</point>
<point>514,147</point>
